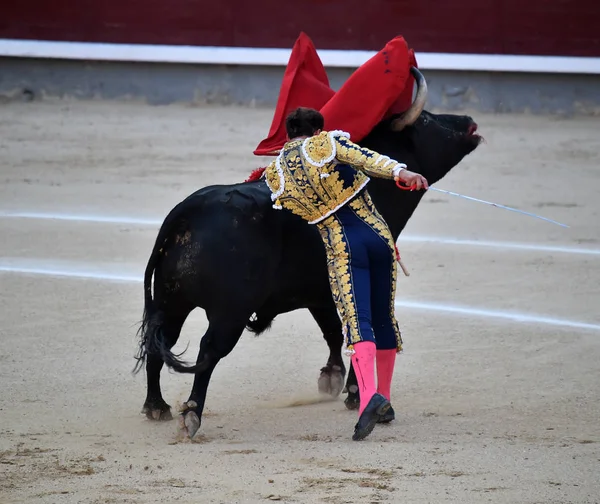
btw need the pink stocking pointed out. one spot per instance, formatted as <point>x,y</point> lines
<point>363,362</point>
<point>386,359</point>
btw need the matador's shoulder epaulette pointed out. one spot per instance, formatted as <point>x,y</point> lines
<point>320,149</point>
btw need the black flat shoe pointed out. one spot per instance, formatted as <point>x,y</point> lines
<point>388,416</point>
<point>377,407</point>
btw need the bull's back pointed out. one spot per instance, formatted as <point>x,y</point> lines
<point>223,241</point>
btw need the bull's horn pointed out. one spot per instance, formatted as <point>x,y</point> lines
<point>413,113</point>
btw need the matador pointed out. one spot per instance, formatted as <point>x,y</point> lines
<point>321,176</point>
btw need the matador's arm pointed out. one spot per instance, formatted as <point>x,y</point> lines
<point>366,160</point>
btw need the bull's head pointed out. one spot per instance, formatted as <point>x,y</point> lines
<point>429,144</point>
<point>437,142</point>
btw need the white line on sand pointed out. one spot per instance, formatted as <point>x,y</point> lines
<point>517,317</point>
<point>108,219</point>
<point>13,267</point>
<point>74,273</point>
<point>500,244</point>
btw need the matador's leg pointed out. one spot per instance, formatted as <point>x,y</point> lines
<point>349,280</point>
<point>349,276</point>
<point>348,239</point>
<point>383,278</point>
<point>383,289</point>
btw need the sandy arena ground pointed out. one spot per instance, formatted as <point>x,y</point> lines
<point>489,409</point>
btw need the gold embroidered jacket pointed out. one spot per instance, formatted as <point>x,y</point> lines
<point>315,177</point>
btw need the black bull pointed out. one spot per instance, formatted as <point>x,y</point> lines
<point>226,250</point>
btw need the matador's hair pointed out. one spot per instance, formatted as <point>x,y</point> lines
<point>303,122</point>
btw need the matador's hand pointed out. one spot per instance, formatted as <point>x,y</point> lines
<point>412,179</point>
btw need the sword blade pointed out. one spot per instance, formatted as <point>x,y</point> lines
<point>497,205</point>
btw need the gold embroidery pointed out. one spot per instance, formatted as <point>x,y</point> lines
<point>364,159</point>
<point>338,267</point>
<point>272,177</point>
<point>312,188</point>
<point>319,149</point>
<point>340,280</point>
<point>303,180</point>
<point>365,209</point>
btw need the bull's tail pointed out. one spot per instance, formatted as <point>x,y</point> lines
<point>150,332</point>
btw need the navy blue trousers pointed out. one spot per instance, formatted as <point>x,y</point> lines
<point>362,273</point>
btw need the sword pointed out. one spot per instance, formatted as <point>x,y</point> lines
<point>470,198</point>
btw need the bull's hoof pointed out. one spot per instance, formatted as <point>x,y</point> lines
<point>158,411</point>
<point>331,381</point>
<point>189,422</point>
<point>352,401</point>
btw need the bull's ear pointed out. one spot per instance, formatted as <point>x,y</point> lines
<point>413,113</point>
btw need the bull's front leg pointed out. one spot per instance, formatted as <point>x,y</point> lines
<point>331,379</point>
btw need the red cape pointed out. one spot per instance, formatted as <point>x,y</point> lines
<point>382,86</point>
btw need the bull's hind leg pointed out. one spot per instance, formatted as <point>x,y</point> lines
<point>155,407</point>
<point>220,339</point>
<point>331,379</point>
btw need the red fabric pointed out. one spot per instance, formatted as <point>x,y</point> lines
<point>305,84</point>
<point>405,99</point>
<point>380,87</point>
<point>255,175</point>
<point>386,360</point>
<point>363,362</point>
<point>365,98</point>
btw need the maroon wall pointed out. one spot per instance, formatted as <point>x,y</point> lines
<point>544,27</point>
